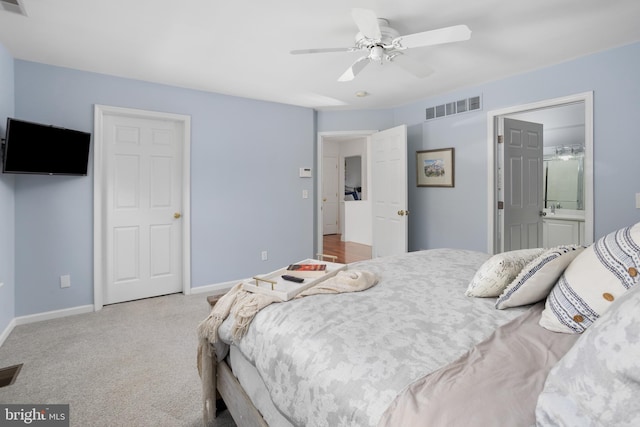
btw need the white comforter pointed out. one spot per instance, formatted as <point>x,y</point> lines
<point>340,360</point>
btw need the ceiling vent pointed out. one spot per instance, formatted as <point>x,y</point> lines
<point>15,6</point>
<point>456,107</point>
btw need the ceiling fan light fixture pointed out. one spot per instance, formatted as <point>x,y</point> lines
<point>377,52</point>
<point>362,93</point>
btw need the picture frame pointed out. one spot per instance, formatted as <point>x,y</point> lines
<point>435,168</point>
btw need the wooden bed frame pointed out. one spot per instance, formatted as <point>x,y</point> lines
<point>226,387</point>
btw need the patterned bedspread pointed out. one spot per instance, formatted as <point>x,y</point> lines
<point>340,360</point>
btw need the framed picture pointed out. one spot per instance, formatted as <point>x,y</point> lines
<point>435,168</point>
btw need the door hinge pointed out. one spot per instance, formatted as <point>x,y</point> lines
<point>500,139</point>
<point>500,205</point>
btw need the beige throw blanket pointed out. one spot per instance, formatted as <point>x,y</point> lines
<point>244,305</point>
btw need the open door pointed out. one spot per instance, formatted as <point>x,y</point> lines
<point>389,191</point>
<point>330,187</point>
<point>522,171</point>
<point>554,113</point>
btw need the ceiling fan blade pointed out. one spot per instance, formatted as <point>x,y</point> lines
<point>322,50</point>
<point>367,23</point>
<point>407,63</point>
<point>355,68</point>
<point>429,38</point>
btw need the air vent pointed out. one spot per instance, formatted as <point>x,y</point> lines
<point>462,106</point>
<point>15,6</point>
<point>474,103</point>
<point>8,375</point>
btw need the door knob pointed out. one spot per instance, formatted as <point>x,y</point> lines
<point>177,215</point>
<point>543,213</point>
<point>403,213</point>
<point>324,199</point>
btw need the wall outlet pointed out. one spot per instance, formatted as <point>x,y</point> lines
<point>305,194</point>
<point>263,255</point>
<point>65,281</point>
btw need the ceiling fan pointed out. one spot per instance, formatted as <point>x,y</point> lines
<point>381,42</point>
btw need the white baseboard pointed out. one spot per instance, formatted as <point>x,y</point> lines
<point>32,318</point>
<point>218,288</point>
<point>7,331</point>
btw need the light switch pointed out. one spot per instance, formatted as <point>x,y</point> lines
<point>638,200</point>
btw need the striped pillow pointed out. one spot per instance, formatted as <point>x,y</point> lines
<point>600,274</point>
<point>536,280</point>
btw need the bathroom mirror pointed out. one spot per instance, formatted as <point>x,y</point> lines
<point>563,174</point>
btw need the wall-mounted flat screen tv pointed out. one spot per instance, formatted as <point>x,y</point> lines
<point>35,148</point>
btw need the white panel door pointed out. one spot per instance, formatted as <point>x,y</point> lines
<point>142,210</point>
<point>389,188</point>
<point>523,146</point>
<point>330,188</point>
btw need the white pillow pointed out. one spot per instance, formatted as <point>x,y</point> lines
<point>599,275</point>
<point>498,271</point>
<point>597,382</point>
<point>538,277</point>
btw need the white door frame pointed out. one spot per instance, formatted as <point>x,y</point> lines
<point>321,140</point>
<point>492,116</point>
<point>100,112</point>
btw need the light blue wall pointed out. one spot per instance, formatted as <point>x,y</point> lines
<point>333,121</point>
<point>246,194</point>
<point>457,217</point>
<point>7,235</point>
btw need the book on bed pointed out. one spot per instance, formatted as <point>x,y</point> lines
<point>307,270</point>
<point>274,285</point>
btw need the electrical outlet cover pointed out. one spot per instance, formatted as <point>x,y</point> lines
<point>65,281</point>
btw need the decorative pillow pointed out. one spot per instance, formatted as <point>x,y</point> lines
<point>597,383</point>
<point>599,275</point>
<point>538,277</point>
<point>498,271</point>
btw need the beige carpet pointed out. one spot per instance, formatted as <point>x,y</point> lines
<point>130,364</point>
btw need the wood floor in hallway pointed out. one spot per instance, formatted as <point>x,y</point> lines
<point>345,251</point>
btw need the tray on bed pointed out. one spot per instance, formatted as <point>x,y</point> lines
<point>284,289</point>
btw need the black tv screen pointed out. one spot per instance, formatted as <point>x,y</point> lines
<point>42,149</point>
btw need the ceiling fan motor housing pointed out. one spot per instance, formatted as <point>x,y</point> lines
<point>387,35</point>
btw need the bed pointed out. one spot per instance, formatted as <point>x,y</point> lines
<point>445,337</point>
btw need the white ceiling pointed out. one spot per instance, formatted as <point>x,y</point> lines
<point>242,47</point>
